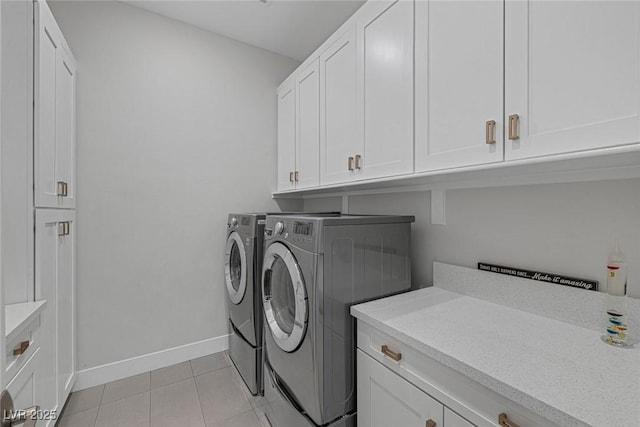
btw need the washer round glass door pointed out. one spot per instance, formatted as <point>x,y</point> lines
<point>284,297</point>
<point>235,268</point>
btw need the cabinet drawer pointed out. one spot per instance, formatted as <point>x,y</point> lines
<point>468,398</point>
<point>22,387</point>
<point>451,419</point>
<point>21,347</point>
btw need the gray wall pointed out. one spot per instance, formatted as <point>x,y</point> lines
<point>563,228</point>
<point>176,128</point>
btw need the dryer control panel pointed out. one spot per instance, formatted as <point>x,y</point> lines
<point>303,228</point>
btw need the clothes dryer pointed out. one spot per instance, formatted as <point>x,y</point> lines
<point>314,269</point>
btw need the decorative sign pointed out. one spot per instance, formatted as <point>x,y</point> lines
<point>590,285</point>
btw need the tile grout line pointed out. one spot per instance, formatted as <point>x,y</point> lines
<point>204,420</point>
<point>150,400</point>
<point>95,421</point>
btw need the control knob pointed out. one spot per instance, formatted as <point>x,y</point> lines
<point>279,228</point>
<point>234,222</point>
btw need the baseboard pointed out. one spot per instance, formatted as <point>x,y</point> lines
<point>148,362</point>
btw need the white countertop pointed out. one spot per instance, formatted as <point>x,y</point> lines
<point>558,370</point>
<point>18,316</point>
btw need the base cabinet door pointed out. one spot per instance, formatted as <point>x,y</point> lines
<point>384,32</point>
<point>24,387</point>
<point>385,399</point>
<point>571,84</point>
<point>55,283</point>
<point>459,83</point>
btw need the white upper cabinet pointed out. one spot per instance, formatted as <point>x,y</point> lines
<point>339,136</point>
<point>428,86</point>
<point>286,135</point>
<point>384,31</point>
<point>459,83</point>
<point>572,76</point>
<point>299,129</point>
<point>307,152</point>
<point>54,139</point>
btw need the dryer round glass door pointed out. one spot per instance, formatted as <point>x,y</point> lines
<point>284,297</point>
<point>235,268</point>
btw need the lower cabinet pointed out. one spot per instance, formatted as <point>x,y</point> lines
<point>55,283</point>
<point>24,387</point>
<point>400,386</point>
<point>386,399</point>
<point>451,419</point>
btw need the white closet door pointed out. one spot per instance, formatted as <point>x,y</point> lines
<point>48,244</point>
<point>54,137</point>
<point>55,283</point>
<point>572,75</point>
<point>47,45</point>
<point>65,300</point>
<point>65,125</point>
<point>459,83</point>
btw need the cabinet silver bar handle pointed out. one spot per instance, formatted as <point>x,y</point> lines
<point>61,229</point>
<point>430,423</point>
<point>291,177</point>
<point>391,354</point>
<point>491,132</point>
<point>350,163</point>
<point>514,126</point>
<point>295,176</point>
<point>504,421</point>
<point>358,161</point>
<point>60,190</point>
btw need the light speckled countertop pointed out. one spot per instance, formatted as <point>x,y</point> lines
<point>560,371</point>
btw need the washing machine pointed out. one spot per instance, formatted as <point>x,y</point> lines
<point>242,271</point>
<point>314,269</point>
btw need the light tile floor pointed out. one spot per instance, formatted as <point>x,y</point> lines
<point>205,392</point>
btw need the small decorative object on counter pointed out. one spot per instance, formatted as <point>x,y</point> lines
<point>616,329</point>
<point>617,287</point>
<point>617,272</point>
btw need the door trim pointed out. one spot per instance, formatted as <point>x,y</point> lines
<point>235,296</point>
<point>288,342</point>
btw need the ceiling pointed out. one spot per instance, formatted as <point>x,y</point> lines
<point>294,28</point>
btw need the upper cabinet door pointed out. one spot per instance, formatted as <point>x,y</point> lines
<point>385,87</point>
<point>54,160</point>
<point>459,83</point>
<point>339,138</point>
<point>572,76</point>
<point>65,125</point>
<point>286,135</point>
<point>307,172</point>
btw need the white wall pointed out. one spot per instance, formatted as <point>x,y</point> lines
<point>563,228</point>
<point>176,128</point>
